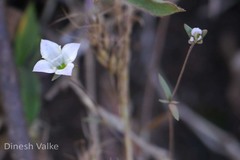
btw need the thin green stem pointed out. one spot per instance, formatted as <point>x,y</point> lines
<point>182,70</point>
<point>171,124</point>
<point>171,136</point>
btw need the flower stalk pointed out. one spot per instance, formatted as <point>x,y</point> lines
<point>182,70</point>
<point>196,36</point>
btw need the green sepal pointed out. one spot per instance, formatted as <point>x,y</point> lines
<point>204,32</point>
<point>188,30</point>
<point>55,76</point>
<point>200,42</point>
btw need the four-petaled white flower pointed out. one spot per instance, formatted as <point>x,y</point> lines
<point>56,59</point>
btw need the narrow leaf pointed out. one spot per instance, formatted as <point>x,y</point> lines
<point>174,111</point>
<point>30,94</point>
<point>157,7</point>
<point>167,101</point>
<point>164,101</point>
<point>188,30</point>
<point>165,87</point>
<point>27,36</point>
<point>174,102</point>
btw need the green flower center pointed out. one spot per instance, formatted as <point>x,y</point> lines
<point>62,66</point>
<point>197,36</point>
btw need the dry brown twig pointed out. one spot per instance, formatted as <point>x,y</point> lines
<point>109,118</point>
<point>216,139</point>
<point>123,73</point>
<point>114,54</point>
<point>91,87</point>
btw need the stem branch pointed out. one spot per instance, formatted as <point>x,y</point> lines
<point>171,136</point>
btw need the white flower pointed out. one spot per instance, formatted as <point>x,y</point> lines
<point>56,59</point>
<point>196,36</point>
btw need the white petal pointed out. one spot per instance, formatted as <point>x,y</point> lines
<point>70,51</point>
<point>67,71</point>
<point>191,40</point>
<point>49,50</point>
<point>57,61</point>
<point>43,66</point>
<point>196,31</point>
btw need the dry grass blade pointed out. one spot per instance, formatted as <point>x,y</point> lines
<point>110,119</point>
<point>213,137</point>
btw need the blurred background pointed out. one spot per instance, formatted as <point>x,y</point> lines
<point>209,93</point>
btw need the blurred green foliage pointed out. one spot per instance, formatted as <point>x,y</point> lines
<point>30,92</point>
<point>157,7</point>
<point>26,45</point>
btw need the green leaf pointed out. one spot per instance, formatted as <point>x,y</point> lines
<point>164,101</point>
<point>27,37</point>
<point>165,87</point>
<point>167,101</point>
<point>174,110</point>
<point>30,94</point>
<point>188,30</point>
<point>157,7</point>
